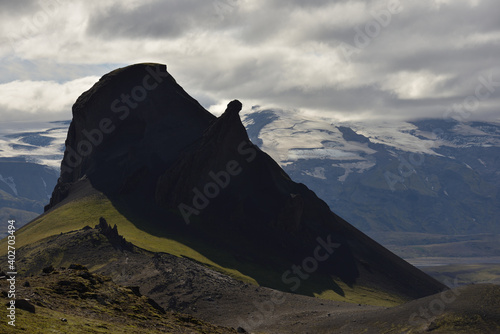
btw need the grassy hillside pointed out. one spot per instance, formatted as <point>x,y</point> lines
<point>21,216</point>
<point>86,211</point>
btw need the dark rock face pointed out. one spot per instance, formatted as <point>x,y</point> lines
<point>138,134</point>
<point>127,128</point>
<point>226,183</point>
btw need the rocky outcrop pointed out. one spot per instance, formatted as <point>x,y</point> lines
<point>114,238</point>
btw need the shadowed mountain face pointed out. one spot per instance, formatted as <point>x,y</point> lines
<point>129,126</point>
<point>139,138</point>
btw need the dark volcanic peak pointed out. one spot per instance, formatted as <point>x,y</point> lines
<point>134,121</point>
<point>139,138</point>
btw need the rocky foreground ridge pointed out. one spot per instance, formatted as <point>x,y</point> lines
<point>117,287</point>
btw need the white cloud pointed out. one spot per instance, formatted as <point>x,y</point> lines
<point>415,85</point>
<point>24,100</point>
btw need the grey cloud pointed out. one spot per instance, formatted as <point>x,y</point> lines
<point>253,51</point>
<point>420,38</point>
<point>162,19</point>
<point>18,7</point>
<point>436,60</point>
<point>173,19</point>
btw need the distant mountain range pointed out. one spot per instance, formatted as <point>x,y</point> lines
<point>427,176</point>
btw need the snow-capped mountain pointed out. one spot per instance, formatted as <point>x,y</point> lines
<point>429,176</point>
<point>30,157</point>
<point>37,142</point>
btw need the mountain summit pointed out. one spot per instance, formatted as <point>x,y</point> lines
<point>138,138</point>
<point>135,121</point>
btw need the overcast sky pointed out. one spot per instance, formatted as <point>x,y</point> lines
<point>347,60</point>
